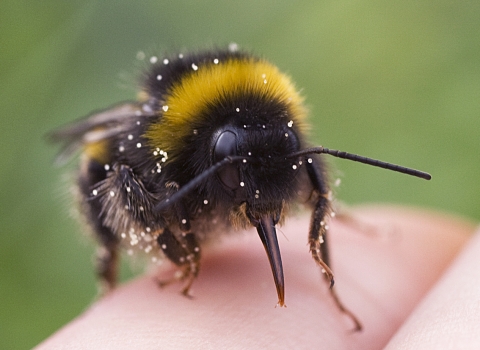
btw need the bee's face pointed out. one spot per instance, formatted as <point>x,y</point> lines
<point>265,178</point>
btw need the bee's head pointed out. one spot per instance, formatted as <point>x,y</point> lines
<point>262,178</point>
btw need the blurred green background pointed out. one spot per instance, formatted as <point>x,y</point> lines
<point>399,81</point>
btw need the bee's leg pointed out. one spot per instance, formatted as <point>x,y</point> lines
<point>107,253</point>
<point>183,252</point>
<point>107,260</point>
<point>317,238</point>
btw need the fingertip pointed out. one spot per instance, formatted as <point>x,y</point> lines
<point>449,315</point>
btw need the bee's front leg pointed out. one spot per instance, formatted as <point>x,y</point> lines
<point>318,234</point>
<point>183,252</point>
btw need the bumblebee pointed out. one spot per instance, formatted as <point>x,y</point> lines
<point>215,142</point>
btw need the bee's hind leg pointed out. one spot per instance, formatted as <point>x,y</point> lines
<point>107,256</point>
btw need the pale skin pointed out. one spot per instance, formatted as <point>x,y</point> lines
<point>413,283</point>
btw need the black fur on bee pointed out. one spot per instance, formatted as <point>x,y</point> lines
<point>215,142</point>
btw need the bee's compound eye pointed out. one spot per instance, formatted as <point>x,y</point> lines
<point>225,146</point>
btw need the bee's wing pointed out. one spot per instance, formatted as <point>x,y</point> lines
<point>96,127</point>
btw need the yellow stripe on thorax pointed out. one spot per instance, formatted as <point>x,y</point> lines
<point>235,77</point>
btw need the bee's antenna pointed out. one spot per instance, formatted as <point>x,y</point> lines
<point>361,159</point>
<point>197,180</point>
